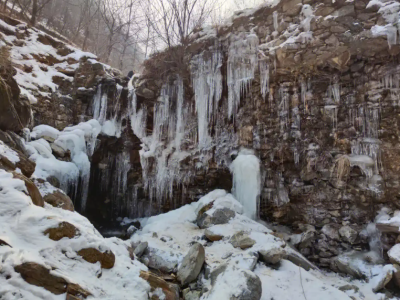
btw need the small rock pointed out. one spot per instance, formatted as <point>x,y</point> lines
<point>63,230</point>
<point>213,237</point>
<point>348,234</point>
<point>193,295</point>
<point>139,250</point>
<point>242,240</point>
<point>349,287</point>
<point>191,264</point>
<point>171,291</point>
<point>91,255</point>
<point>3,243</point>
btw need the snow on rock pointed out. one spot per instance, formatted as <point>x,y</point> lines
<point>79,141</point>
<point>7,152</point>
<point>22,227</point>
<point>39,58</point>
<point>394,254</point>
<point>170,236</point>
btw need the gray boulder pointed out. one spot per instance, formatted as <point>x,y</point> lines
<point>191,264</point>
<point>348,234</point>
<point>331,231</point>
<point>242,240</point>
<point>273,256</point>
<point>139,250</point>
<point>215,217</point>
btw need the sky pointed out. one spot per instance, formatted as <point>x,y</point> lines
<point>229,6</point>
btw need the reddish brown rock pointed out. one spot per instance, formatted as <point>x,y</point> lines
<point>170,291</point>
<point>60,200</point>
<point>33,191</point>
<point>64,229</point>
<point>39,275</point>
<point>91,255</point>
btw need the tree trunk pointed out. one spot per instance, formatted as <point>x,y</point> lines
<point>34,11</point>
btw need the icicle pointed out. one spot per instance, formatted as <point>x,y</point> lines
<point>283,108</point>
<point>305,90</point>
<point>276,23</point>
<point>332,110</point>
<point>180,119</point>
<point>242,62</point>
<point>247,182</point>
<point>100,106</point>
<point>264,78</point>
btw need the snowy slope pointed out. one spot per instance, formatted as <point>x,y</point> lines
<point>39,58</point>
<point>22,227</point>
<point>177,230</point>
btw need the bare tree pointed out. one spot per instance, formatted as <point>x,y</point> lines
<point>37,7</point>
<point>175,20</point>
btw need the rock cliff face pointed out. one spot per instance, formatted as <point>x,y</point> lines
<point>312,86</point>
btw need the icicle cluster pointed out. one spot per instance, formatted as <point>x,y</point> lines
<point>242,63</point>
<point>207,85</point>
<point>161,155</point>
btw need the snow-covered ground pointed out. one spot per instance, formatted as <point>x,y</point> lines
<point>22,226</point>
<point>171,235</point>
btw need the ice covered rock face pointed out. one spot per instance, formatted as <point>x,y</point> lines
<point>308,86</point>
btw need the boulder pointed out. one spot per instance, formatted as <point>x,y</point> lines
<point>15,112</point>
<point>91,255</point>
<point>272,256</point>
<point>139,250</point>
<point>171,291</point>
<point>191,265</point>
<point>33,191</point>
<point>381,280</point>
<point>250,283</point>
<point>348,234</point>
<point>63,230</point>
<point>215,217</point>
<point>160,260</point>
<point>331,231</point>
<point>26,166</point>
<point>394,254</point>
<point>343,263</point>
<point>192,295</point>
<point>242,240</point>
<point>39,275</point>
<point>60,200</point>
<point>299,260</point>
<point>396,274</point>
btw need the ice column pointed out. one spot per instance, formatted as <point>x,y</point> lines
<point>247,181</point>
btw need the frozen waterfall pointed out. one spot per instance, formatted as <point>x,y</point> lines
<point>247,181</point>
